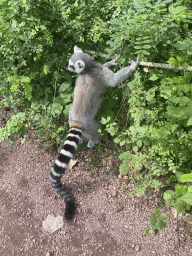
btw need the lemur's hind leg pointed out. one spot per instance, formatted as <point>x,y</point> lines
<point>94,139</point>
<point>70,121</point>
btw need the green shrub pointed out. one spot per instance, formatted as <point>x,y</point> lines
<point>150,117</point>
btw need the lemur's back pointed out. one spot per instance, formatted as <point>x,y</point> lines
<point>87,94</point>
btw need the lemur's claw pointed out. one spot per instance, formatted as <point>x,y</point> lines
<point>116,56</point>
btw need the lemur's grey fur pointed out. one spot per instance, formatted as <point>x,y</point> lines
<point>90,84</point>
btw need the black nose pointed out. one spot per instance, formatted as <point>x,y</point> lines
<point>70,72</point>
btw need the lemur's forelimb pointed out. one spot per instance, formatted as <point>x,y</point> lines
<point>112,79</point>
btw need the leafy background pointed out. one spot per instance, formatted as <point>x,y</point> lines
<point>149,116</point>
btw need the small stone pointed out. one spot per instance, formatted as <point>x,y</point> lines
<point>119,208</point>
<point>114,194</point>
<point>51,223</point>
<point>23,141</point>
<point>72,163</point>
<point>137,248</point>
<point>174,212</point>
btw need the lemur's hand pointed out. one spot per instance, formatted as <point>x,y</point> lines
<point>112,62</point>
<point>116,56</point>
<point>134,64</point>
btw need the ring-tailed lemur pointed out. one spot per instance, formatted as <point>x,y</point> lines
<point>90,84</point>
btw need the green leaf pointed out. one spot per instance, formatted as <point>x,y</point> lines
<point>45,69</point>
<point>135,148</point>
<point>100,148</point>
<point>61,128</point>
<point>162,223</point>
<point>64,86</point>
<point>176,10</point>
<point>186,178</point>
<point>105,120</point>
<point>146,46</point>
<point>180,206</point>
<point>146,70</point>
<point>122,142</point>
<point>14,24</point>
<point>137,46</point>
<point>144,52</point>
<point>117,140</point>
<point>168,194</point>
<point>150,96</point>
<point>172,61</point>
<point>189,122</point>
<point>112,130</point>
<point>178,175</point>
<point>158,220</point>
<point>23,37</point>
<point>126,156</point>
<point>128,145</point>
<point>180,190</point>
<point>172,178</point>
<point>66,110</point>
<point>124,168</point>
<point>187,198</point>
<point>153,77</point>
<point>139,143</point>
<point>57,108</point>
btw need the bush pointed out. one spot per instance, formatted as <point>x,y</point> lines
<point>37,38</point>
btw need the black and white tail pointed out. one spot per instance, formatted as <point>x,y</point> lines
<point>71,143</point>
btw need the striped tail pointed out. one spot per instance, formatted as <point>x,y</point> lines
<point>73,138</point>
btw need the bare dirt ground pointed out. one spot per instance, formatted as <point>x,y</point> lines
<point>108,222</point>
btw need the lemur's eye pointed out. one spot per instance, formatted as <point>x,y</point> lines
<point>79,64</point>
<point>71,66</point>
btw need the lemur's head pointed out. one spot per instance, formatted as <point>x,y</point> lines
<point>80,61</point>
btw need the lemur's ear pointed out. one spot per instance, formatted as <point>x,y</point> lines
<point>77,49</point>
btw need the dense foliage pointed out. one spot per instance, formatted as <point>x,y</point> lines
<point>37,38</point>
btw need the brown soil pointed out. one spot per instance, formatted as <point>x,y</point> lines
<point>108,222</point>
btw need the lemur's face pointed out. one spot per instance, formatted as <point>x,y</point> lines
<point>80,61</point>
<point>76,66</point>
<point>76,63</point>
